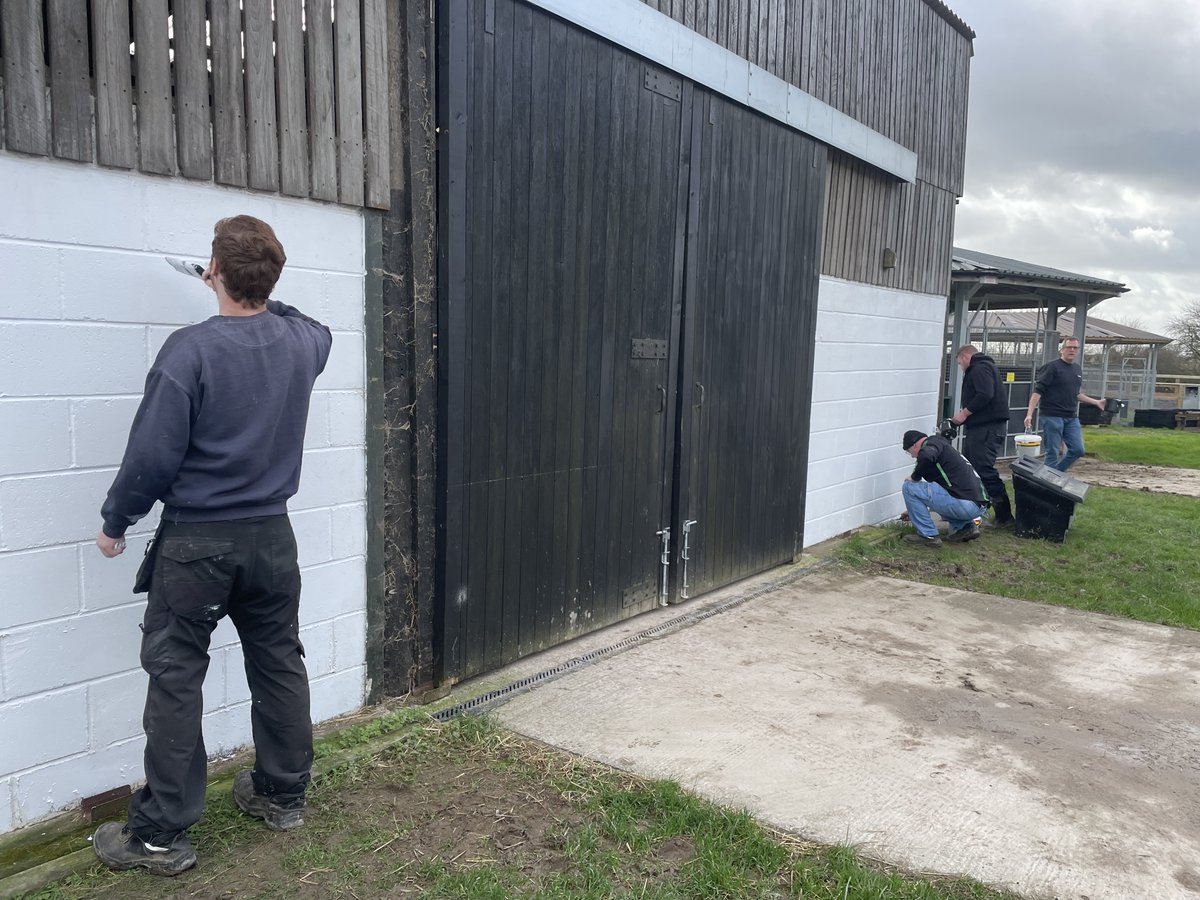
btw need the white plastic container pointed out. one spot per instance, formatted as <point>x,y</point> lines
<point>1029,446</point>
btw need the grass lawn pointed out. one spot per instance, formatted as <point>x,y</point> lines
<point>1148,446</point>
<point>468,811</point>
<point>1127,553</point>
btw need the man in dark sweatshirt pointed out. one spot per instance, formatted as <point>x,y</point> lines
<point>984,415</point>
<point>1059,390</point>
<point>218,439</point>
<point>941,482</point>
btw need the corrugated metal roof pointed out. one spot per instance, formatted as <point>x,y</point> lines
<point>949,15</point>
<point>1015,323</point>
<point>963,260</point>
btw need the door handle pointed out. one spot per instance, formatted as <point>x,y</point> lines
<point>662,399</point>
<point>700,388</point>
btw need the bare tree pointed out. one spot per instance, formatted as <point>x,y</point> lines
<point>1185,328</point>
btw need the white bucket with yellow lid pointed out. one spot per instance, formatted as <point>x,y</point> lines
<point>1029,445</point>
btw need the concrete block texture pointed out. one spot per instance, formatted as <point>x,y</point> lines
<point>37,436</point>
<point>63,783</point>
<point>100,430</point>
<point>115,708</point>
<point>31,287</point>
<point>7,805</point>
<point>332,590</point>
<point>334,694</point>
<point>71,359</point>
<point>86,303</point>
<point>28,742</point>
<point>37,585</point>
<point>58,508</point>
<point>876,374</point>
<point>72,651</point>
<point>345,369</point>
<point>347,418</point>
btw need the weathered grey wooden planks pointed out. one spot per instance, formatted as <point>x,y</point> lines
<point>229,120</point>
<point>348,39</point>
<point>238,91</point>
<point>70,81</point>
<point>155,126</point>
<point>115,141</point>
<point>321,128</point>
<point>262,135</point>
<point>293,121</point>
<point>193,129</point>
<point>27,125</point>
<point>375,92</point>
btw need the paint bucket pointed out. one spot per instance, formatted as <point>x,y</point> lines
<point>1029,446</point>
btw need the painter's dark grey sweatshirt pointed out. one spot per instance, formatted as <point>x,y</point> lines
<point>220,430</point>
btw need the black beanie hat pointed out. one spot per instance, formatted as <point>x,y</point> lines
<point>911,437</point>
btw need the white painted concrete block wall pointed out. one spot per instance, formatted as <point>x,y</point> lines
<point>86,301</point>
<point>876,375</point>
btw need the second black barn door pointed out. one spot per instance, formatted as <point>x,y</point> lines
<point>564,200</point>
<point>749,324</point>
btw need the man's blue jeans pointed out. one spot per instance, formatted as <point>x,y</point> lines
<point>921,497</point>
<point>1058,430</point>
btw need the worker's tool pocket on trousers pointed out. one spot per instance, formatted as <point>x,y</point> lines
<point>285,568</point>
<point>195,575</point>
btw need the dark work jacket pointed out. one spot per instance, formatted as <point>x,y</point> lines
<point>940,463</point>
<point>1059,384</point>
<point>220,430</point>
<point>983,392</point>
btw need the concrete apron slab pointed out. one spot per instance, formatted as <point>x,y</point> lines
<point>1046,750</point>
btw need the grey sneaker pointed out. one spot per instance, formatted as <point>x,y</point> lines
<point>918,538</point>
<point>278,816</point>
<point>119,848</point>
<point>968,532</point>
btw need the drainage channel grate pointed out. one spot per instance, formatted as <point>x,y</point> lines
<point>492,699</point>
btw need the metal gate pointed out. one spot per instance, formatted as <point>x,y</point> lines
<point>576,181</point>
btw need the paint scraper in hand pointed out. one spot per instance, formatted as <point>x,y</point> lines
<point>186,266</point>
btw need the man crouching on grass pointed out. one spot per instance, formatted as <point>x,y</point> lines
<point>218,439</point>
<point>942,482</point>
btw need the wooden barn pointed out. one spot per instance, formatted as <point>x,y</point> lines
<point>631,300</point>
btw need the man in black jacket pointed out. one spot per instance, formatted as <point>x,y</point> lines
<point>941,482</point>
<point>984,415</point>
<point>218,438</point>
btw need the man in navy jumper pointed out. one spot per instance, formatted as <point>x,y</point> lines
<point>218,439</point>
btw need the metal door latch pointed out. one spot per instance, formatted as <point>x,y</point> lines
<point>687,530</point>
<point>665,534</point>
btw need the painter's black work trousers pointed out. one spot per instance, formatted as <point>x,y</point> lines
<point>203,571</point>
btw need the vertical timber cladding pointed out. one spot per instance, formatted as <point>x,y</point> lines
<point>754,245</point>
<point>562,254</point>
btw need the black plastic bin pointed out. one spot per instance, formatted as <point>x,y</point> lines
<point>1154,418</point>
<point>1090,415</point>
<point>1045,499</point>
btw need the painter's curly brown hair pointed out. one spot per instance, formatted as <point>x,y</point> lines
<point>249,258</point>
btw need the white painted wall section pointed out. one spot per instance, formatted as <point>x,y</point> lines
<point>875,376</point>
<point>86,301</point>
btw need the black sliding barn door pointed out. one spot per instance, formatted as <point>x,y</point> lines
<point>749,325</point>
<point>563,202</point>
<point>627,309</point>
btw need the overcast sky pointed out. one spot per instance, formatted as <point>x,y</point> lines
<point>1083,144</point>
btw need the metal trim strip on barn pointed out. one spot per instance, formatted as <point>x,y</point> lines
<point>636,27</point>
